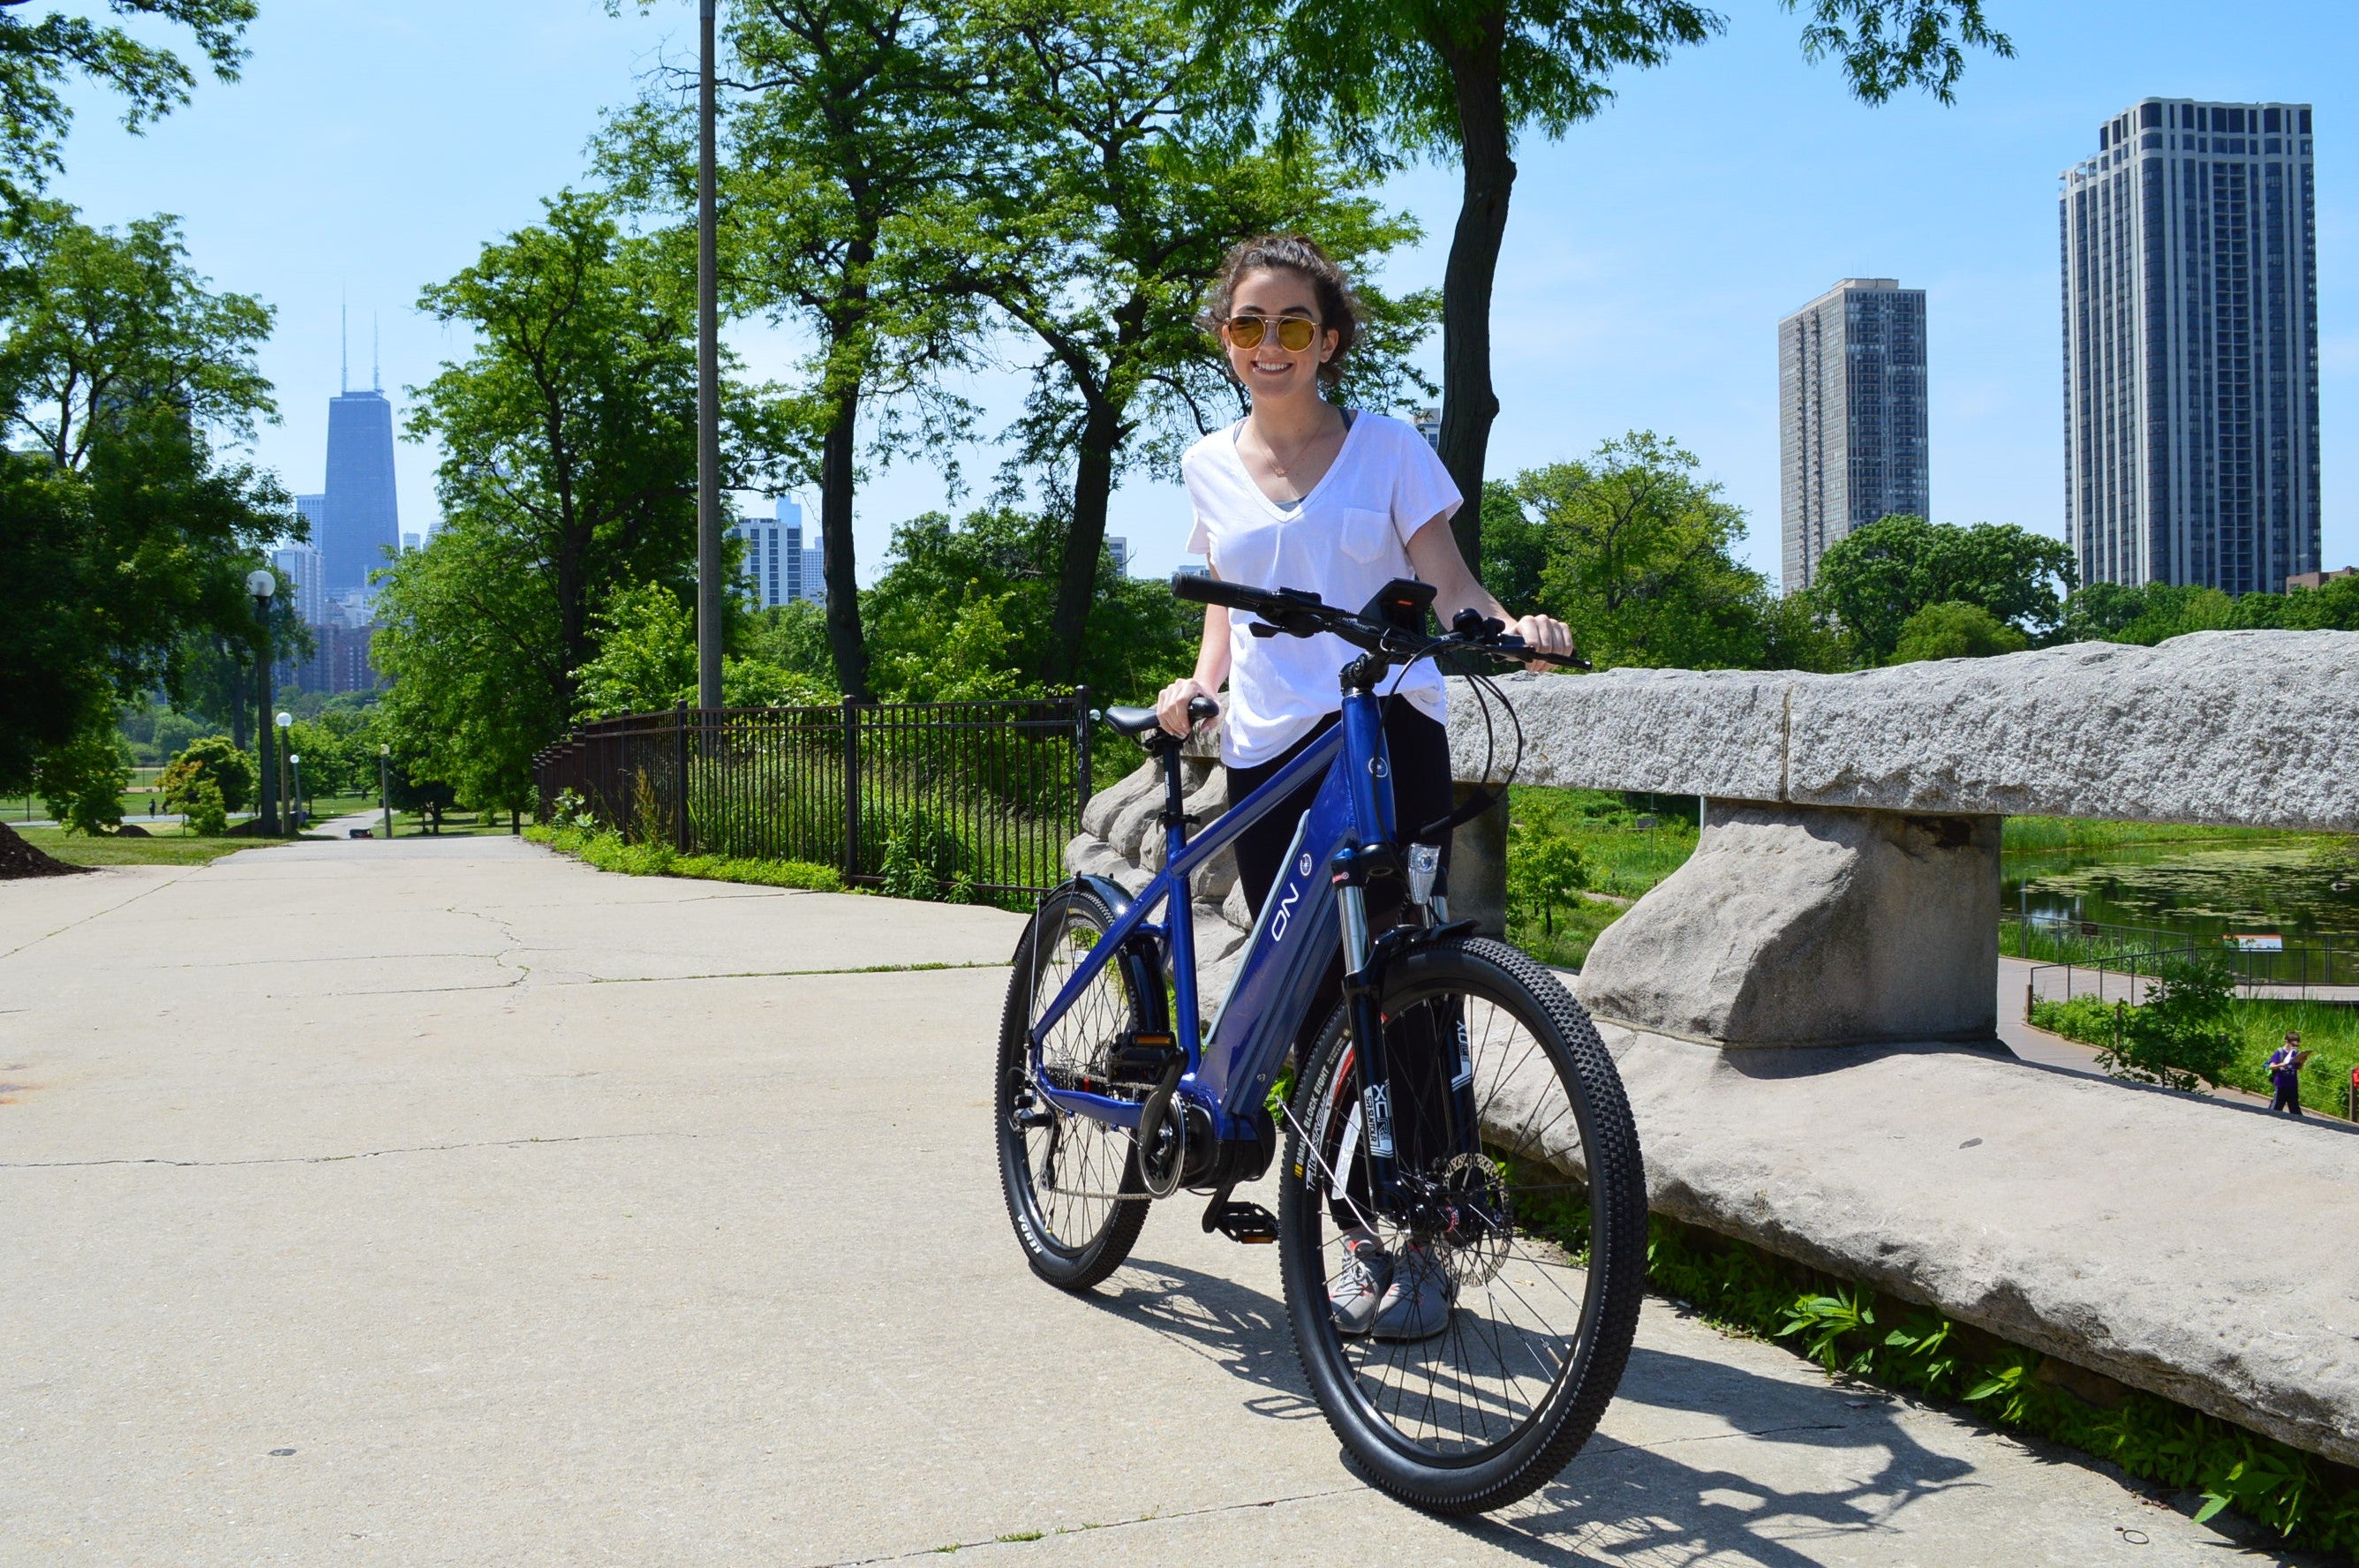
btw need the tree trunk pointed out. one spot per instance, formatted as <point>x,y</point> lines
<point>845,638</point>
<point>1488,174</point>
<point>1077,576</point>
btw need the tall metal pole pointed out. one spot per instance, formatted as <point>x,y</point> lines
<point>708,382</point>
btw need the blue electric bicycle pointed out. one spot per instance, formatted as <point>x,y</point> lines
<point>1457,1106</point>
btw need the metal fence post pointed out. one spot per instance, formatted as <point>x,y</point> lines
<point>679,776</point>
<point>850,788</point>
<point>1081,735</point>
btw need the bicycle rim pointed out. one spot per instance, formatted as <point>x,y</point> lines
<point>1073,1185</point>
<point>1543,1255</point>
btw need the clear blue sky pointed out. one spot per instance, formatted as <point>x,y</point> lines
<point>370,149</point>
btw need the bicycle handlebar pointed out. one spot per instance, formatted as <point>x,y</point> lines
<point>1295,611</point>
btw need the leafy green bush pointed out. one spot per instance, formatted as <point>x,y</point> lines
<point>214,757</point>
<point>1954,630</point>
<point>608,851</point>
<point>83,780</point>
<point>199,801</point>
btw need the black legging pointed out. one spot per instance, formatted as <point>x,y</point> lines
<point>1419,753</point>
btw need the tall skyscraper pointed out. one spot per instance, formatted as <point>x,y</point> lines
<point>1851,416</point>
<point>2190,347</point>
<point>778,568</point>
<point>1119,548</point>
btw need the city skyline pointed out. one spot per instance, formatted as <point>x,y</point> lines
<point>1852,432</point>
<point>2190,346</point>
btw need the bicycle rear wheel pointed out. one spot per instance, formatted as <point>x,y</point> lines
<point>1074,1188</point>
<point>1535,1220</point>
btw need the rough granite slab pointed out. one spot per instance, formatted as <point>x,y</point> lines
<point>2249,727</point>
<point>1682,732</point>
<point>2185,1247</point>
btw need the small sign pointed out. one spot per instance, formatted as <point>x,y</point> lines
<point>2265,942</point>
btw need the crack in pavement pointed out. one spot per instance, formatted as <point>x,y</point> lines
<point>333,1158</point>
<point>1026,1538</point>
<point>157,888</point>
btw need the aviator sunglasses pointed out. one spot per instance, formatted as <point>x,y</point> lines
<point>1294,333</point>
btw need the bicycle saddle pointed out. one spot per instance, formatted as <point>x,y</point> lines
<point>1130,720</point>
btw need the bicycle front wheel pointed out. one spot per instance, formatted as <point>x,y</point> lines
<point>1512,1265</point>
<point>1074,1188</point>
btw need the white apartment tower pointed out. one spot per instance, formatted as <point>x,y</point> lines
<point>1851,416</point>
<point>778,568</point>
<point>2190,347</point>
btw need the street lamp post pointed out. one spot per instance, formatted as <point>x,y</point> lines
<point>385,784</point>
<point>295,800</point>
<point>261,585</point>
<point>708,379</point>
<point>285,822</point>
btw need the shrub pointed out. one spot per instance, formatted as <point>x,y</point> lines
<point>2180,1034</point>
<point>199,801</point>
<point>214,757</point>
<point>83,781</point>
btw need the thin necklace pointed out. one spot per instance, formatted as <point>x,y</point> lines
<point>1279,468</point>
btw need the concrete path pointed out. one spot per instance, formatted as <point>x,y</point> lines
<point>444,1201</point>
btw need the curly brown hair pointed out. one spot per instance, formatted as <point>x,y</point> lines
<point>1338,310</point>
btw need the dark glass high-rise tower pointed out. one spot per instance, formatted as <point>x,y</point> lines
<point>1851,442</point>
<point>2190,347</point>
<point>362,521</point>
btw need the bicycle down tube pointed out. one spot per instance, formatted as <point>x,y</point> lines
<point>1228,1071</point>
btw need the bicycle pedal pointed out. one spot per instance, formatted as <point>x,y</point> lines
<point>1248,1223</point>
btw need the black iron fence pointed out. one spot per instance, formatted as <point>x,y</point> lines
<point>928,799</point>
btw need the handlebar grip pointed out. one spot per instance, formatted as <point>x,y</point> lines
<point>1204,590</point>
<point>1201,709</point>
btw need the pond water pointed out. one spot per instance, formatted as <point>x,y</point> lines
<point>2270,887</point>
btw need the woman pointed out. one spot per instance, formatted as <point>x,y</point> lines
<point>1303,494</point>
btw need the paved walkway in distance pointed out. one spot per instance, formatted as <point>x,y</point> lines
<point>446,1202</point>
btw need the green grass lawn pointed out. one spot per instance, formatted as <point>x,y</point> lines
<point>168,847</point>
<point>2075,835</point>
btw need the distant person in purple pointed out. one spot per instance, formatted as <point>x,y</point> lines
<point>2286,1063</point>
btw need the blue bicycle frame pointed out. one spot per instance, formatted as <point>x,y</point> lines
<point>1229,1069</point>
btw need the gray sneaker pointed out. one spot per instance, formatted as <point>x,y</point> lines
<point>1359,1285</point>
<point>1416,1304</point>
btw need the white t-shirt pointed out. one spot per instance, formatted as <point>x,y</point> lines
<point>1346,540</point>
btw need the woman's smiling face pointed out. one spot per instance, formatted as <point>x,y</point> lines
<point>1269,369</point>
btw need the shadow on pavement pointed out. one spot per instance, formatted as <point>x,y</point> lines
<point>1617,1499</point>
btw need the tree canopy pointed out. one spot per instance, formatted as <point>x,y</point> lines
<point>1874,579</point>
<point>1459,80</point>
<point>44,51</point>
<point>1635,552</point>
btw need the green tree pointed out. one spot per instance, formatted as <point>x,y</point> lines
<point>101,325</point>
<point>569,470</point>
<point>846,117</point>
<point>2332,606</point>
<point>1954,630</point>
<point>83,780</point>
<point>127,540</point>
<point>2180,1034</point>
<point>646,661</point>
<point>1874,579</point>
<point>929,625</point>
<point>1103,184</point>
<point>42,53</point>
<point>1545,872</point>
<point>216,761</point>
<point>1635,555</point>
<point>1459,80</point>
